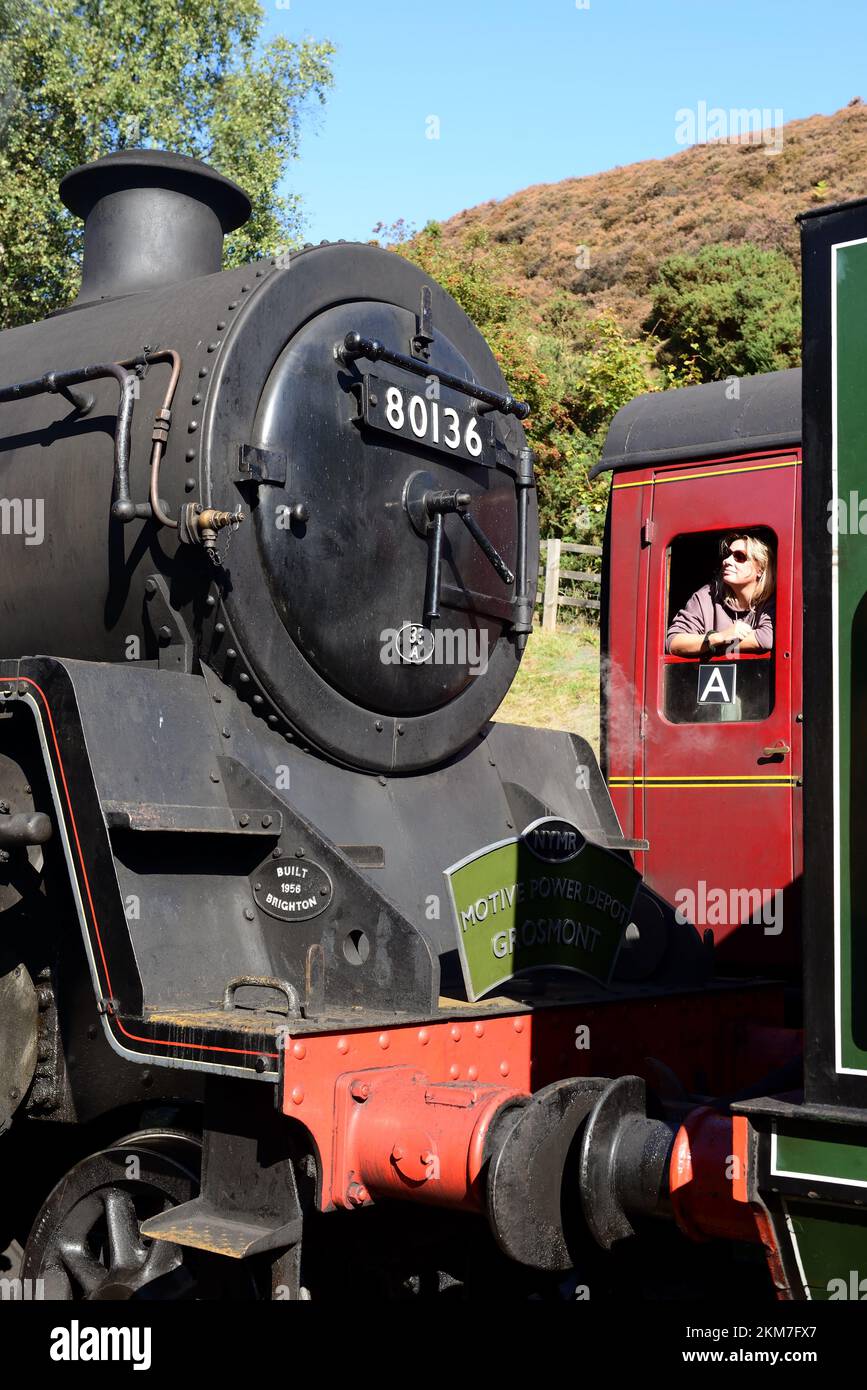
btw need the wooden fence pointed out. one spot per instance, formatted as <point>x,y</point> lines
<point>552,600</point>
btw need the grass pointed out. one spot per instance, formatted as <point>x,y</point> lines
<point>557,686</point>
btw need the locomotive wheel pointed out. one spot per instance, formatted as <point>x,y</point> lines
<point>86,1243</point>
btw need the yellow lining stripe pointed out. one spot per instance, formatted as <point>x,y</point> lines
<point>716,473</point>
<point>721,783</point>
<point>707,777</point>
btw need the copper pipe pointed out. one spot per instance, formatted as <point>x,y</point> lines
<point>166,355</point>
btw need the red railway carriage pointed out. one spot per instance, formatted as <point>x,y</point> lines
<point>710,784</point>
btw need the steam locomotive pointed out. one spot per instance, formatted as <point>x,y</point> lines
<point>309,971</point>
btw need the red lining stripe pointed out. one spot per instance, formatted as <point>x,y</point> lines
<point>133,1037</point>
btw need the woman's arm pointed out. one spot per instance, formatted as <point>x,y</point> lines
<point>689,644</point>
<point>687,631</point>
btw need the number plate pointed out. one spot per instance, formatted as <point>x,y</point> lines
<point>436,424</point>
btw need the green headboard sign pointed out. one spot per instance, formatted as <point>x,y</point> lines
<point>548,897</point>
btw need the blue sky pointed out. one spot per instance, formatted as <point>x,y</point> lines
<point>532,91</point>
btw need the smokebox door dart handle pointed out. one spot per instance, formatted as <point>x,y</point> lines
<point>354,345</point>
<point>426,508</point>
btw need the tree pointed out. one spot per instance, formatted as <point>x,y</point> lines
<point>83,78</point>
<point>735,309</point>
<point>575,372</point>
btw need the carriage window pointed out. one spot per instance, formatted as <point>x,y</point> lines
<point>727,684</point>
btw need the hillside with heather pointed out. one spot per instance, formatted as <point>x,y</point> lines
<point>647,277</point>
<point>632,217</point>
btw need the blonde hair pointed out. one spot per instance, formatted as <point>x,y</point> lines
<point>762,553</point>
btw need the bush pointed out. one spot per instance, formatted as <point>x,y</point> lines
<point>734,309</point>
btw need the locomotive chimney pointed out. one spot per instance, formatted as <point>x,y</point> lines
<point>150,219</point>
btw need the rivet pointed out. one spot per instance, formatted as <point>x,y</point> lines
<point>400,728</point>
<point>272,720</point>
<point>150,586</point>
<point>189,483</point>
<point>383,781</point>
<point>189,455</point>
<point>378,726</point>
<point>472,1073</point>
<point>210,601</point>
<point>244,289</point>
<point>193,426</point>
<point>266,821</point>
<point>456,1032</point>
<point>231,654</point>
<point>218,699</point>
<point>221,324</point>
<point>423,1037</point>
<point>243,678</point>
<point>234,304</point>
<point>277,853</point>
<point>342,1045</point>
<point>215,776</point>
<point>203,371</point>
<point>196,398</point>
<point>479,1030</point>
<point>249,914</point>
<point>397,1153</point>
<point>259,274</point>
<point>227,733</point>
<point>518,1025</point>
<point>257,700</point>
<point>454,1071</point>
<point>212,347</point>
<point>383,1041</point>
<point>299,1051</point>
<point>165,635</point>
<point>297,1094</point>
<point>257,887</point>
<point>244,819</point>
<point>220,628</point>
<point>504,1069</point>
<point>299,853</point>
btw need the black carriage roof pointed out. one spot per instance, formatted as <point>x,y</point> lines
<point>695,422</point>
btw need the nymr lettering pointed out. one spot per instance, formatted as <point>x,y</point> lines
<point>77,1343</point>
<point>554,844</point>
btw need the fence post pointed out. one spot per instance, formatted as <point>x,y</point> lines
<point>552,586</point>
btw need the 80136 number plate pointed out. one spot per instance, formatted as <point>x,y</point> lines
<point>413,415</point>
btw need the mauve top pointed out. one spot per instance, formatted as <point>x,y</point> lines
<point>705,612</point>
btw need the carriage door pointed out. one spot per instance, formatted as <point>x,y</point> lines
<point>721,749</point>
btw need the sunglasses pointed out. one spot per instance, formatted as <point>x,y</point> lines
<point>740,555</point>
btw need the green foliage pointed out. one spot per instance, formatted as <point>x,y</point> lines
<point>727,311</point>
<point>82,78</point>
<point>575,373</point>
